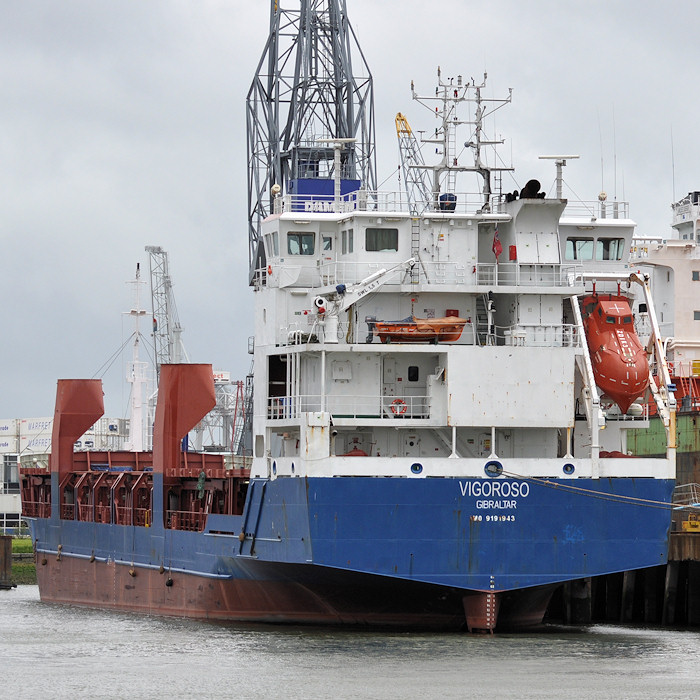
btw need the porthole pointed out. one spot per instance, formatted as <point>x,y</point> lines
<point>416,468</point>
<point>493,468</point>
<point>568,468</point>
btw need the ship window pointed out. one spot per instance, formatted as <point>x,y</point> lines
<point>696,315</point>
<point>627,319</point>
<point>381,239</point>
<point>327,243</point>
<point>259,445</point>
<point>300,243</point>
<point>609,248</point>
<point>609,319</point>
<point>412,373</point>
<point>346,241</point>
<point>696,275</point>
<point>579,249</point>
<point>271,244</point>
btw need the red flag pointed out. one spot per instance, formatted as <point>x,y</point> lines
<point>497,248</point>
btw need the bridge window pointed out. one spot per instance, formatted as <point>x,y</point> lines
<point>272,244</point>
<point>696,275</point>
<point>381,239</point>
<point>696,315</point>
<point>346,241</point>
<point>579,249</point>
<point>609,248</point>
<point>300,243</point>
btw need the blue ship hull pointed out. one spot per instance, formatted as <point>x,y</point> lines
<point>322,549</point>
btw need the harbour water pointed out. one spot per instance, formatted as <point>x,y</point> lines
<point>65,652</point>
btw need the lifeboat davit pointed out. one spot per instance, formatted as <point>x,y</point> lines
<point>620,364</point>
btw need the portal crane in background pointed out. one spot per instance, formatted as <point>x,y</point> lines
<point>217,428</point>
<point>312,91</point>
<point>167,331</point>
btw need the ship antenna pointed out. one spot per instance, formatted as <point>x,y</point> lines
<point>673,169</point>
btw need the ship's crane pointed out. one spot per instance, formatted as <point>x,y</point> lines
<point>312,91</point>
<point>167,331</point>
<point>415,176</point>
<point>218,425</point>
<point>329,307</point>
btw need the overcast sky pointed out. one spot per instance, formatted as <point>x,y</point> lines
<point>122,124</point>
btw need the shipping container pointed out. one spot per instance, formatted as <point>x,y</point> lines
<point>8,426</point>
<point>8,444</point>
<point>35,426</point>
<point>35,444</point>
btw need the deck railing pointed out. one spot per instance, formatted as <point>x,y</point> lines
<point>36,509</point>
<point>374,406</point>
<point>469,203</point>
<point>186,520</point>
<point>686,494</point>
<point>529,275</point>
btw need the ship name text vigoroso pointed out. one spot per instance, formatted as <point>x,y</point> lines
<point>495,489</point>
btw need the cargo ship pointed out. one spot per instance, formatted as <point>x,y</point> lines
<point>441,480</point>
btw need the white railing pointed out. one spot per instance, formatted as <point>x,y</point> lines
<point>380,202</point>
<point>551,335</point>
<point>597,210</point>
<point>612,412</point>
<point>541,335</point>
<point>529,275</point>
<point>686,494</point>
<point>423,273</point>
<point>368,406</point>
<point>463,203</point>
<point>442,273</point>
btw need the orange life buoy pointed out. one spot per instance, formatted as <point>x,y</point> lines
<point>398,407</point>
<point>269,269</point>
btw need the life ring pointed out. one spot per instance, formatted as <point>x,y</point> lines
<point>269,269</point>
<point>398,407</point>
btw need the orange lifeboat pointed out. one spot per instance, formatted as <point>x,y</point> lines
<point>620,364</point>
<point>417,330</point>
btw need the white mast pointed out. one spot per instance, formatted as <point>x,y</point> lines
<point>136,375</point>
<point>448,96</point>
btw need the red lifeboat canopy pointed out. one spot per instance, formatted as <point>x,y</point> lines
<point>620,364</point>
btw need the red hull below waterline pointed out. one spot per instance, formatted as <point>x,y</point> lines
<point>359,600</point>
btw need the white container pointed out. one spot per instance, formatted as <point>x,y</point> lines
<point>8,444</point>
<point>8,426</point>
<point>35,426</point>
<point>35,444</point>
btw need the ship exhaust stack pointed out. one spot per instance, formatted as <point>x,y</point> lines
<point>79,405</point>
<point>185,395</point>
